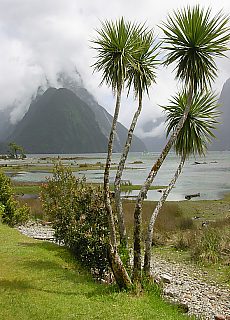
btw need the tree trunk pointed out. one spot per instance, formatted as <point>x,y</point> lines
<point>117,182</point>
<point>145,187</point>
<point>120,274</point>
<point>148,244</point>
<point>119,271</point>
<point>108,206</point>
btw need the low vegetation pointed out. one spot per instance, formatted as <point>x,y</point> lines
<point>11,212</point>
<point>36,268</point>
<point>40,280</point>
<point>77,212</point>
<point>182,233</point>
<point>184,228</point>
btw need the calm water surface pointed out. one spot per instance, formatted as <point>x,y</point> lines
<point>211,178</point>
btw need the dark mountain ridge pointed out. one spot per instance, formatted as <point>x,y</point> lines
<point>222,141</point>
<point>58,121</point>
<point>103,118</point>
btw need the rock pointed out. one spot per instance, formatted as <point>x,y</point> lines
<point>166,278</point>
<point>184,307</point>
<point>46,223</point>
<point>189,196</point>
<point>219,317</point>
<point>170,294</point>
<point>38,231</point>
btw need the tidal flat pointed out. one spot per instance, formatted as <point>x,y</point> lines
<point>208,176</point>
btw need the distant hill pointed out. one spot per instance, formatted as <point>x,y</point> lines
<point>58,121</point>
<point>222,141</point>
<point>103,118</point>
<point>223,133</point>
<point>157,142</point>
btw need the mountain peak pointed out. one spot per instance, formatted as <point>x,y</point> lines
<point>58,121</point>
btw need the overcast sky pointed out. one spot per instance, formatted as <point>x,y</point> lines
<point>39,38</point>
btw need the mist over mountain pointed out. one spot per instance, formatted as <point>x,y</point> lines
<point>59,122</point>
<point>65,115</point>
<point>223,133</point>
<point>6,127</point>
<point>65,120</point>
<point>103,118</point>
<point>154,139</point>
<point>222,141</point>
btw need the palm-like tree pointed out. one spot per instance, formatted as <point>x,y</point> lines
<point>116,47</point>
<point>193,39</point>
<point>140,74</point>
<point>193,138</point>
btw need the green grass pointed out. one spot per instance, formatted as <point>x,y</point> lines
<point>27,189</point>
<point>39,280</point>
<point>137,187</point>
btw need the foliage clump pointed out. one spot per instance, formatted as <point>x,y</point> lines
<point>77,212</point>
<point>16,151</point>
<point>10,211</point>
<point>207,245</point>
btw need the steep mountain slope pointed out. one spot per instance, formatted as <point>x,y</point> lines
<point>223,133</point>
<point>222,141</point>
<point>6,127</point>
<point>47,128</point>
<point>103,118</point>
<point>59,122</point>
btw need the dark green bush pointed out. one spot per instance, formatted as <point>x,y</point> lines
<point>77,211</point>
<point>11,213</point>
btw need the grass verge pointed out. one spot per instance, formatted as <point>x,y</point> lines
<point>39,280</point>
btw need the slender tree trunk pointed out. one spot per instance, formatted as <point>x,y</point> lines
<point>145,187</point>
<point>148,244</point>
<point>119,271</point>
<point>121,276</point>
<point>117,182</point>
<point>107,170</point>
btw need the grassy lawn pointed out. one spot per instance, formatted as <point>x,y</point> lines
<point>39,280</point>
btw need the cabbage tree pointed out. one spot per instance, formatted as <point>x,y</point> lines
<point>193,139</point>
<point>192,40</point>
<point>140,76</point>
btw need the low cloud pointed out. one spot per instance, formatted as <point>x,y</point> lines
<point>39,39</point>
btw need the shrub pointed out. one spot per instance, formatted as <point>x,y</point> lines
<point>11,213</point>
<point>185,240</point>
<point>79,218</point>
<point>207,247</point>
<point>21,215</point>
<point>2,208</point>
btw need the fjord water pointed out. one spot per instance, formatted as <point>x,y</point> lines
<point>209,175</point>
